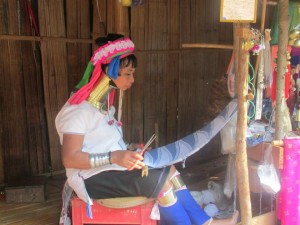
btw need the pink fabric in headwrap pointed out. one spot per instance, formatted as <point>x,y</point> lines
<point>289,196</point>
<point>102,55</point>
<point>105,53</point>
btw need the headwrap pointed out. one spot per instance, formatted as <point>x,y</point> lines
<point>110,53</point>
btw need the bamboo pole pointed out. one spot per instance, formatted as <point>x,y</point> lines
<point>241,153</point>
<point>206,45</point>
<point>281,67</point>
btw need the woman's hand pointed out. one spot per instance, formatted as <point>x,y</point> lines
<point>127,159</point>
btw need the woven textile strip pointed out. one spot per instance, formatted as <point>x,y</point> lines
<point>179,150</point>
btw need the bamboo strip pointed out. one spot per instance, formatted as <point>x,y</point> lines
<point>121,19</point>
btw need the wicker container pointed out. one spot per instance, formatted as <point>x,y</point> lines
<point>25,194</point>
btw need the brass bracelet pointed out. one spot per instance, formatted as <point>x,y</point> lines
<point>99,159</point>
<point>177,182</point>
<point>168,198</point>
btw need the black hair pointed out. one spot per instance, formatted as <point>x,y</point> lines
<point>124,62</point>
<point>129,60</point>
<point>110,37</point>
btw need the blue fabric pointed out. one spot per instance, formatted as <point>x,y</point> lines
<point>195,212</point>
<point>174,215</point>
<point>113,67</point>
<point>162,221</point>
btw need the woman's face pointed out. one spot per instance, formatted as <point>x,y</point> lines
<point>126,78</point>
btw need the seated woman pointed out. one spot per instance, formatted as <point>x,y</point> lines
<point>98,162</point>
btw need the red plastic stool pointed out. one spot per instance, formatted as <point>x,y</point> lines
<point>103,215</point>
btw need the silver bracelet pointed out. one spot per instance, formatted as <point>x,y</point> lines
<point>99,159</point>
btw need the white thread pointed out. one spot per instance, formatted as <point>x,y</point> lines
<point>210,221</point>
<point>175,174</point>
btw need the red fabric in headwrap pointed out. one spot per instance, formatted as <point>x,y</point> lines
<point>84,92</point>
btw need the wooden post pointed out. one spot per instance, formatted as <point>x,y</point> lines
<point>281,66</point>
<point>241,154</point>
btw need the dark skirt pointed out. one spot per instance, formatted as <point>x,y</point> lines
<point>110,184</point>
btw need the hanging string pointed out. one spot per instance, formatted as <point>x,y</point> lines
<point>98,10</point>
<point>120,107</point>
<point>32,18</point>
<point>102,25</point>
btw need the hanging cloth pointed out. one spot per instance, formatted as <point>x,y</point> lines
<point>289,196</point>
<point>268,79</point>
<point>260,87</point>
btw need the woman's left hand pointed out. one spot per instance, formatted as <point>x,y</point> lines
<point>128,159</point>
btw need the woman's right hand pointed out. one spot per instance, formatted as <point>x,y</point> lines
<point>127,159</point>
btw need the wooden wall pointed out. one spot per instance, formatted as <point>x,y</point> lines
<point>173,86</point>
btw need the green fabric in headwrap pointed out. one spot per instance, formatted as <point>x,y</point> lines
<point>86,76</point>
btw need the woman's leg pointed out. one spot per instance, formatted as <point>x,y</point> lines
<point>171,211</point>
<point>195,212</point>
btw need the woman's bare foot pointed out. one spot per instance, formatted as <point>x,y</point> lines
<point>229,221</point>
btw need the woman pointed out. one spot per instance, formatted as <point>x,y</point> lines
<point>98,162</point>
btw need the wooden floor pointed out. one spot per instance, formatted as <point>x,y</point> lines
<point>44,213</point>
<point>196,176</point>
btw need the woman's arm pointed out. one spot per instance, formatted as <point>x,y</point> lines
<point>73,157</point>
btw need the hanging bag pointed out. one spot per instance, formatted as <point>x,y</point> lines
<point>267,173</point>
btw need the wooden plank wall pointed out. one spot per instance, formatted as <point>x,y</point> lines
<point>24,144</point>
<point>63,64</point>
<point>176,83</point>
<point>172,90</point>
<point>54,64</point>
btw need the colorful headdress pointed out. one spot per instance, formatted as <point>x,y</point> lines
<point>110,53</point>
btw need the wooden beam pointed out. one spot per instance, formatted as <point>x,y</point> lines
<point>44,38</point>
